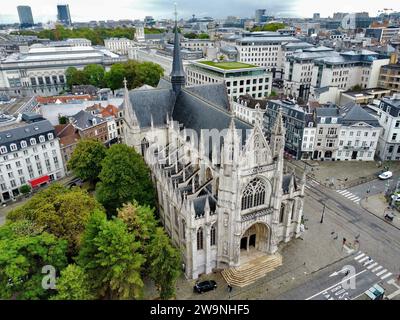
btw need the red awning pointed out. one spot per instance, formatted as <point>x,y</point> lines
<point>38,181</point>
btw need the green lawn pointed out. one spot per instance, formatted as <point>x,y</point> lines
<point>227,65</point>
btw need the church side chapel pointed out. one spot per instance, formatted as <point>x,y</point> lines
<point>225,202</point>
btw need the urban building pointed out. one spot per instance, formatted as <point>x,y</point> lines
<point>389,77</point>
<point>63,14</point>
<point>294,119</point>
<point>357,20</point>
<point>316,16</point>
<point>29,155</point>
<point>90,126</point>
<point>240,78</point>
<point>220,209</point>
<point>383,34</point>
<point>40,70</point>
<point>388,114</point>
<point>25,16</point>
<point>260,16</point>
<point>345,133</point>
<point>263,49</point>
<point>248,109</point>
<point>118,45</point>
<point>68,138</point>
<point>322,67</point>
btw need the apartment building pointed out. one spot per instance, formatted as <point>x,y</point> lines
<point>90,126</point>
<point>29,155</point>
<point>388,114</point>
<point>240,78</point>
<point>118,45</point>
<point>389,77</point>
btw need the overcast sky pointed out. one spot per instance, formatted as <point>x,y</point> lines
<point>85,10</point>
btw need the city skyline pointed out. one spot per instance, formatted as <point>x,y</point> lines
<point>138,9</point>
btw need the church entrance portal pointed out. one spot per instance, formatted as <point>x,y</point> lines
<point>254,239</point>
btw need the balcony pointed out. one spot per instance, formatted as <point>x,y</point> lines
<point>332,136</point>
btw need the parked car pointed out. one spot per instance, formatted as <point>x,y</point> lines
<point>385,175</point>
<point>395,197</point>
<point>205,286</point>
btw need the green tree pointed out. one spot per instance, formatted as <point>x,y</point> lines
<point>165,264</point>
<point>148,73</point>
<point>124,177</point>
<point>25,189</point>
<point>109,256</point>
<point>75,77</point>
<point>59,211</point>
<point>94,74</point>
<point>85,161</point>
<point>115,77</point>
<point>140,221</point>
<point>62,120</point>
<point>73,284</point>
<point>24,251</point>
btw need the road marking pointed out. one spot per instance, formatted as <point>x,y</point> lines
<point>368,262</point>
<point>346,193</point>
<point>386,276</point>
<point>372,265</point>
<point>341,191</point>
<point>381,272</point>
<point>376,269</point>
<point>359,256</point>
<point>343,281</point>
<point>363,259</point>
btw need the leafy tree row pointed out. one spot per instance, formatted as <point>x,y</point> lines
<point>96,35</point>
<point>136,73</point>
<point>95,257</point>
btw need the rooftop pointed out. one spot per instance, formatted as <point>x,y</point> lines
<point>228,65</point>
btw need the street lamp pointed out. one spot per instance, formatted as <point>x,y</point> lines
<point>323,212</point>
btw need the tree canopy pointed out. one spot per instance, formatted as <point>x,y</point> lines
<point>59,211</point>
<point>136,73</point>
<point>85,161</point>
<point>165,263</point>
<point>109,256</point>
<point>73,284</point>
<point>24,251</point>
<point>124,177</point>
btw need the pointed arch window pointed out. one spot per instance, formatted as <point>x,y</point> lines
<point>253,194</point>
<point>213,235</point>
<point>200,239</point>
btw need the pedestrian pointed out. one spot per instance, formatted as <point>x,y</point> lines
<point>229,288</point>
<point>344,241</point>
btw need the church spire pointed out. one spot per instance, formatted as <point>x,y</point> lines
<point>177,73</point>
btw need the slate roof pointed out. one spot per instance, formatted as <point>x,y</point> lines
<point>84,120</point>
<point>353,113</point>
<point>24,131</point>
<point>67,133</point>
<point>156,103</point>
<point>197,114</point>
<point>214,93</point>
<point>286,182</point>
<point>164,84</point>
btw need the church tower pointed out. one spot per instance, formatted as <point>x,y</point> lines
<point>277,141</point>
<point>177,73</point>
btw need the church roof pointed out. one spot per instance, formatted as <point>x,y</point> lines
<point>156,103</point>
<point>196,113</point>
<point>215,93</point>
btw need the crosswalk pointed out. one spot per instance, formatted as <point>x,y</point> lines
<point>350,196</point>
<point>373,266</point>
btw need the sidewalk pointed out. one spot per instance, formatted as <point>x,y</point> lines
<point>376,205</point>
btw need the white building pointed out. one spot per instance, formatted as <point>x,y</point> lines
<point>346,133</point>
<point>248,110</point>
<point>322,67</point>
<point>118,45</point>
<point>388,114</point>
<point>41,70</point>
<point>29,155</point>
<point>198,44</point>
<point>240,78</point>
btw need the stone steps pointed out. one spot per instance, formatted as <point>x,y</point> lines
<point>252,270</point>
